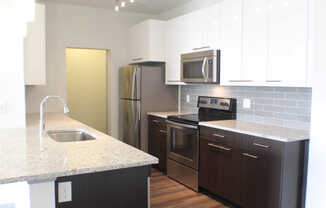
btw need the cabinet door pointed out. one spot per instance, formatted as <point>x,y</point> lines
<point>211,27</point>
<point>35,49</point>
<point>163,149</point>
<point>288,42</point>
<point>153,138</point>
<point>146,42</point>
<point>157,141</point>
<point>138,42</point>
<point>231,41</point>
<point>255,40</point>
<point>174,46</point>
<point>219,165</point>
<point>260,173</point>
<point>192,28</point>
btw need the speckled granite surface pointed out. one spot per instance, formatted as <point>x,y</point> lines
<point>166,114</point>
<point>259,130</point>
<point>25,156</point>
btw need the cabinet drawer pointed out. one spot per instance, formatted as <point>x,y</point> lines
<point>216,146</point>
<point>257,145</point>
<point>218,136</point>
<point>157,121</point>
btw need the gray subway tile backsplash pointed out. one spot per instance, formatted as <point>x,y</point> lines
<point>280,106</point>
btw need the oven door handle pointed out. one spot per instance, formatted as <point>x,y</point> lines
<point>180,125</point>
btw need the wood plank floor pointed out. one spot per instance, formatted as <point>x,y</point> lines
<point>166,193</point>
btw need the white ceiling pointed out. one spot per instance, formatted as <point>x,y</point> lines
<point>154,7</point>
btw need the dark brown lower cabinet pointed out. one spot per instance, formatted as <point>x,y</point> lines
<point>260,172</point>
<point>157,133</point>
<point>218,172</point>
<point>252,172</point>
<point>117,189</point>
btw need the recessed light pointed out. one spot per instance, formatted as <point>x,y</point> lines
<point>123,4</point>
<point>117,8</point>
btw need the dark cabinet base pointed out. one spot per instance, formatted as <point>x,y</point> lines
<point>111,189</point>
<point>251,171</point>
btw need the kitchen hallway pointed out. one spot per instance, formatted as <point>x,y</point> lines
<point>166,193</point>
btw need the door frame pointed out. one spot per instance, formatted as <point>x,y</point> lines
<point>108,82</point>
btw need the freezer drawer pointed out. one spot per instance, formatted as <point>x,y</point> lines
<point>130,122</point>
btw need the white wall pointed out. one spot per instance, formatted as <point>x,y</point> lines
<point>187,8</point>
<point>14,15</point>
<point>316,193</point>
<point>82,27</point>
<point>13,19</point>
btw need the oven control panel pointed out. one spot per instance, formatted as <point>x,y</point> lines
<point>215,103</point>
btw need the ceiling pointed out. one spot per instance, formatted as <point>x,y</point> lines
<point>154,7</point>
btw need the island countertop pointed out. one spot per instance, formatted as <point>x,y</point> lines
<point>26,156</point>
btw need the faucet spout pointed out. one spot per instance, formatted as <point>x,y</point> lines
<point>42,111</point>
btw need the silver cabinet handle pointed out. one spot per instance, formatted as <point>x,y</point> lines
<point>196,49</point>
<point>240,80</point>
<point>163,131</point>
<point>137,59</point>
<point>260,145</point>
<point>219,147</point>
<point>219,135</point>
<point>249,155</point>
<point>273,80</point>
<point>156,121</point>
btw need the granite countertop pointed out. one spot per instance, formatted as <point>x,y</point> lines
<point>266,131</point>
<point>25,156</point>
<point>166,114</point>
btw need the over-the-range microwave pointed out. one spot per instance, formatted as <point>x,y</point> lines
<point>201,66</point>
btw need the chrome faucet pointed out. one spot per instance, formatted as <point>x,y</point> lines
<point>42,112</point>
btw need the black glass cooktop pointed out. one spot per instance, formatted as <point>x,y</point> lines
<point>210,109</point>
<point>194,119</point>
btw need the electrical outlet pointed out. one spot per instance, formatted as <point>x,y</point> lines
<point>188,98</point>
<point>65,194</point>
<point>246,103</point>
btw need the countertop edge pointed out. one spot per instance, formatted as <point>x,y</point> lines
<point>157,115</point>
<point>53,176</point>
<point>266,136</point>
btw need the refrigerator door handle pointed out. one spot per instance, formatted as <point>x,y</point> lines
<point>139,113</point>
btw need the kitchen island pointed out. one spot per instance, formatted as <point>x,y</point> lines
<point>25,156</point>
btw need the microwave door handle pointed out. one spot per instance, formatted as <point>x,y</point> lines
<point>203,68</point>
<point>207,68</point>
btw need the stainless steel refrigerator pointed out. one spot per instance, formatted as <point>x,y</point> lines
<point>142,90</point>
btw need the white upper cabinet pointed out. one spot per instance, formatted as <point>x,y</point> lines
<point>288,48</point>
<point>255,33</point>
<point>262,42</point>
<point>145,42</point>
<point>35,49</point>
<point>274,42</point>
<point>174,46</point>
<point>230,42</point>
<point>211,21</point>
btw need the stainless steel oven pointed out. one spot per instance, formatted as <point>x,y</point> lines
<point>183,153</point>
<point>201,67</point>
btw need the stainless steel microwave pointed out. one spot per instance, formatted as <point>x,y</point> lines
<point>201,67</point>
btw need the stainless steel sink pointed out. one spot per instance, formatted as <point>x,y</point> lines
<point>70,135</point>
